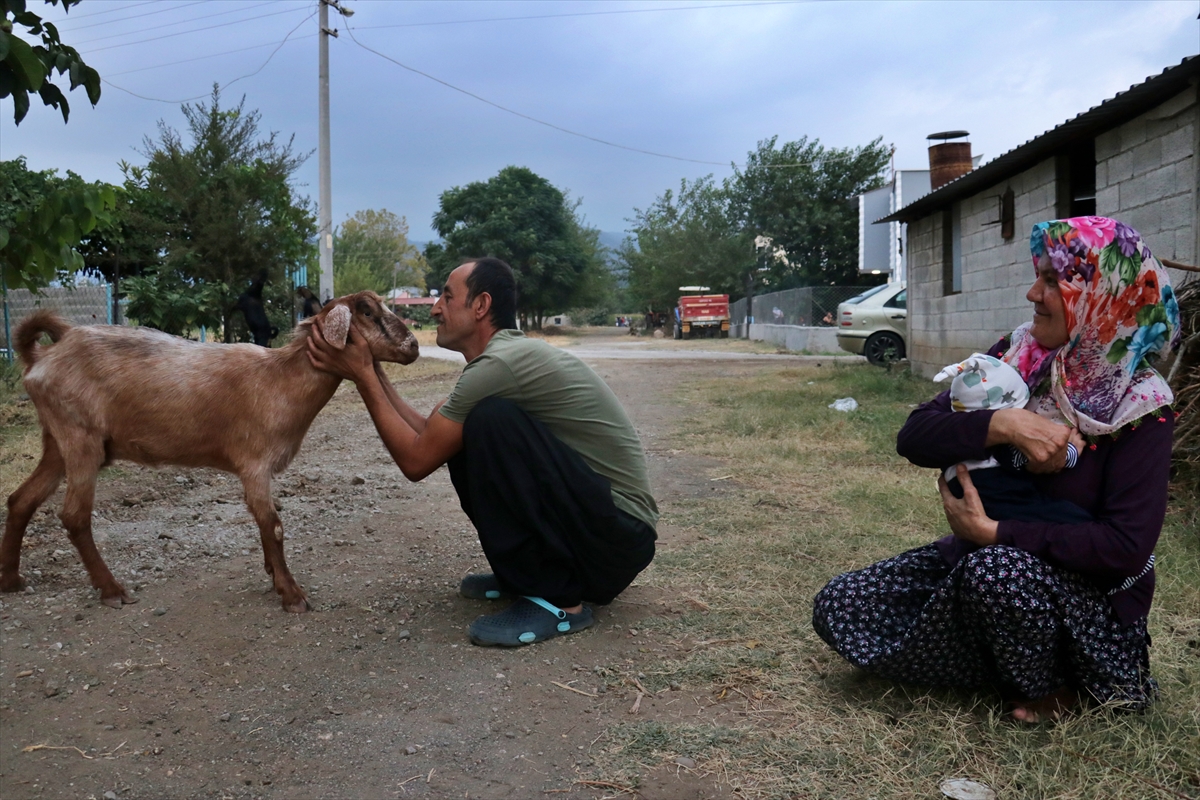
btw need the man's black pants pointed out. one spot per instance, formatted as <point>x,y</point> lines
<point>546,520</point>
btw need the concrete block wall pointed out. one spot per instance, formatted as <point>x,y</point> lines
<point>1146,176</point>
<point>996,273</point>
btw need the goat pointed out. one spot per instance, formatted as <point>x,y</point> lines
<point>107,392</point>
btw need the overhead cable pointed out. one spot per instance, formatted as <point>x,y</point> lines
<point>227,85</point>
<point>128,18</point>
<point>507,110</point>
<point>210,55</point>
<point>237,9</point>
<point>568,131</point>
<point>581,14</point>
<point>195,30</point>
<point>73,17</point>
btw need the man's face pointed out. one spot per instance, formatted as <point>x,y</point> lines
<point>454,315</point>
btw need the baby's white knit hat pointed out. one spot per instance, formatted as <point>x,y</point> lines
<point>982,381</point>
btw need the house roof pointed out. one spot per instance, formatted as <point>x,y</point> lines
<point>1138,99</point>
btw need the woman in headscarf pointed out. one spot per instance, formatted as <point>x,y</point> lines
<point>1050,613</point>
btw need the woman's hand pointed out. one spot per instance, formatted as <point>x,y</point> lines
<point>354,362</point>
<point>1043,441</point>
<point>967,518</point>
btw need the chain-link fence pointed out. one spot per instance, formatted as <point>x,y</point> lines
<point>83,304</point>
<point>809,306</point>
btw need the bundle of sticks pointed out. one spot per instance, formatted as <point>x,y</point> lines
<point>1184,377</point>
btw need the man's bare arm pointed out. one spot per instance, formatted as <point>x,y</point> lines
<point>417,454</point>
<point>417,451</point>
<point>409,414</point>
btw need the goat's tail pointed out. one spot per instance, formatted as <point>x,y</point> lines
<point>30,329</point>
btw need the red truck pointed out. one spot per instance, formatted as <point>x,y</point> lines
<point>702,315</point>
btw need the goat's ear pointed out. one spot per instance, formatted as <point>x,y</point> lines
<point>337,326</point>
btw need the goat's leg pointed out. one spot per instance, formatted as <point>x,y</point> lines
<point>270,530</point>
<point>21,506</point>
<point>83,462</point>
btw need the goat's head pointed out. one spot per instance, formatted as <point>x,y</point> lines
<point>387,336</point>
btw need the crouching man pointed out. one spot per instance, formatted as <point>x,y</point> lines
<point>544,459</point>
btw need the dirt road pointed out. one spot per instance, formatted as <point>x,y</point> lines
<point>206,688</point>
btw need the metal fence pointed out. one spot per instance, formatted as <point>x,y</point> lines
<point>83,304</point>
<point>810,306</point>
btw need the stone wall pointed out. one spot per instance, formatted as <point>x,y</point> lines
<point>1146,176</point>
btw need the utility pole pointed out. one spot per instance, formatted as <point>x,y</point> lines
<point>325,210</point>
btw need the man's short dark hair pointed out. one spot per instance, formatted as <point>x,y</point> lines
<point>495,277</point>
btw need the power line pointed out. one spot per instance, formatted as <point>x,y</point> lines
<point>195,30</point>
<point>210,55</point>
<point>507,110</point>
<point>581,14</point>
<point>235,10</point>
<point>568,131</point>
<point>227,85</point>
<point>131,16</point>
<point>111,10</point>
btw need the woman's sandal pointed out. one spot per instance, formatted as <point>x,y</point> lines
<point>529,620</point>
<point>482,586</point>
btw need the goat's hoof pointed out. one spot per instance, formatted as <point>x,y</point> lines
<point>12,583</point>
<point>118,600</point>
<point>298,607</point>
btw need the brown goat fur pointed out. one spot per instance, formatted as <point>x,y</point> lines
<point>105,393</point>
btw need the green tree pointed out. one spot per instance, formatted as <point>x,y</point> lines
<point>801,194</point>
<point>685,239</point>
<point>26,69</point>
<point>371,252</point>
<point>222,208</point>
<point>520,217</point>
<point>38,238</point>
<point>43,217</point>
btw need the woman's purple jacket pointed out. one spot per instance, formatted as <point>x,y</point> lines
<point>1122,483</point>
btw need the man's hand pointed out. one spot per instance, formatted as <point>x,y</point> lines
<point>354,362</point>
<point>967,518</point>
<point>1043,441</point>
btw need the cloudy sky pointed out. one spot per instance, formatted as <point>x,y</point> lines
<point>694,80</point>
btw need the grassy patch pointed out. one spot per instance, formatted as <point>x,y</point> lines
<point>819,492</point>
<point>20,436</point>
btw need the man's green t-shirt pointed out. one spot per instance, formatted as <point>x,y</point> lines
<point>571,400</point>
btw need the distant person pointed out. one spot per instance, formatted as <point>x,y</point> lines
<point>250,304</point>
<point>827,319</point>
<point>311,305</point>
<point>1052,614</point>
<point>545,461</point>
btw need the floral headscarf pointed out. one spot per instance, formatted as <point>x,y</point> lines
<point>1121,314</point>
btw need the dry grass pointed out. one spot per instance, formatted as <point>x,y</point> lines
<point>820,492</point>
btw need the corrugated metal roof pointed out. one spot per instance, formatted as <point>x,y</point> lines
<point>1138,99</point>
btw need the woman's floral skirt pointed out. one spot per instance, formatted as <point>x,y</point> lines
<point>1001,617</point>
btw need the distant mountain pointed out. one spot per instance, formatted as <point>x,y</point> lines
<point>611,239</point>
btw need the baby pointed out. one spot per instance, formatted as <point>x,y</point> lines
<point>1006,489</point>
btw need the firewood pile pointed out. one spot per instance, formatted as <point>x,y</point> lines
<point>1184,377</point>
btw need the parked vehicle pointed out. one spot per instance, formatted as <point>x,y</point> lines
<point>874,323</point>
<point>702,315</point>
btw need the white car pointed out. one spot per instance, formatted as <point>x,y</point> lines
<point>874,323</point>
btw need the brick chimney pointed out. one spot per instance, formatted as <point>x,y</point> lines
<point>948,160</point>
